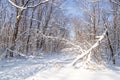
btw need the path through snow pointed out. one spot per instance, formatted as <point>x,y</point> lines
<point>51,68</point>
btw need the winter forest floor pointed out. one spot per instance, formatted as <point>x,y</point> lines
<point>52,67</point>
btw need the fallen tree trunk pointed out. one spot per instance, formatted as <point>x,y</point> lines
<point>88,51</point>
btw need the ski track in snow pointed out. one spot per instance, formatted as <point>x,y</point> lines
<point>52,68</point>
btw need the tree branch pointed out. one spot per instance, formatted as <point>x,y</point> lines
<point>12,3</point>
<point>118,3</point>
<point>38,4</point>
<point>88,51</point>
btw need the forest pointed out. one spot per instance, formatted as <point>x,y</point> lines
<point>87,32</point>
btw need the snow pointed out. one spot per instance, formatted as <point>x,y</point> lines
<point>52,67</point>
<point>75,74</point>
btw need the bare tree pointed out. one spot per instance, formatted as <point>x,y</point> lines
<point>19,16</point>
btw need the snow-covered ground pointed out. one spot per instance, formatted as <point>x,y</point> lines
<point>52,67</point>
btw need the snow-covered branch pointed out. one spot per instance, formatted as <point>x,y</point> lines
<point>33,19</point>
<point>93,0</point>
<point>21,54</point>
<point>38,4</point>
<point>88,51</point>
<point>52,38</point>
<point>12,3</point>
<point>118,3</point>
<point>22,7</point>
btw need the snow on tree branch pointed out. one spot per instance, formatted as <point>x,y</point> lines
<point>22,7</point>
<point>88,51</point>
<point>38,4</point>
<point>16,5</point>
<point>118,3</point>
<point>93,0</point>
